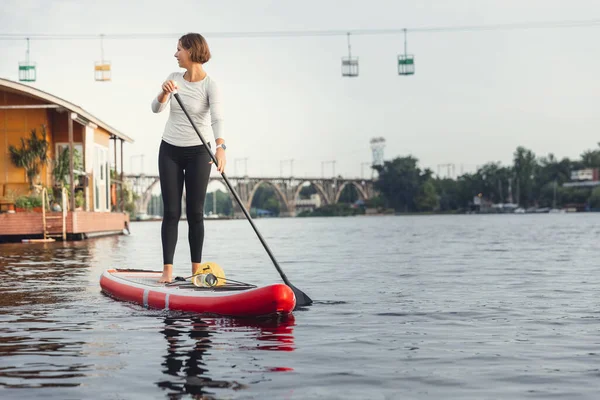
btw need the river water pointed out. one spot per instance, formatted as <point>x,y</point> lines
<point>410,307</point>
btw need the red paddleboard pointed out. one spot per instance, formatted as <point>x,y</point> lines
<point>142,287</point>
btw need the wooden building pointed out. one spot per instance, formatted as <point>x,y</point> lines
<point>24,108</point>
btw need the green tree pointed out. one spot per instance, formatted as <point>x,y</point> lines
<point>224,203</point>
<point>272,204</point>
<point>574,195</point>
<point>130,198</point>
<point>400,182</point>
<point>525,167</point>
<point>551,172</point>
<point>468,186</point>
<point>60,172</point>
<point>594,199</point>
<point>447,190</point>
<point>266,199</point>
<point>550,169</point>
<point>375,202</point>
<point>349,194</point>
<point>591,158</point>
<point>427,199</point>
<point>493,182</point>
<point>307,191</point>
<point>549,195</point>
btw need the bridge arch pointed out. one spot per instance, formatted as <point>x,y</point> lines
<point>280,195</point>
<point>317,186</point>
<point>286,190</point>
<point>361,191</point>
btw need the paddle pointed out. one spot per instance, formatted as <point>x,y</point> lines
<point>301,298</point>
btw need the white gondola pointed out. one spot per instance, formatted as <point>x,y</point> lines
<point>349,64</point>
<point>102,72</point>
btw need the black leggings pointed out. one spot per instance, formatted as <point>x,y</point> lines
<point>177,165</point>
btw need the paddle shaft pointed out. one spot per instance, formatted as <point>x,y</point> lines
<point>235,195</point>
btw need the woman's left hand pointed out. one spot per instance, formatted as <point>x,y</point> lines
<point>221,160</point>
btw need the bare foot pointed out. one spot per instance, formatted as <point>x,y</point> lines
<point>167,275</point>
<point>196,268</point>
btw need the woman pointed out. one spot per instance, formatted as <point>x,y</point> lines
<point>182,158</point>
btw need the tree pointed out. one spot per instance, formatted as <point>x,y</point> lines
<point>595,198</point>
<point>468,186</point>
<point>550,170</point>
<point>129,199</point>
<point>349,194</point>
<point>224,204</point>
<point>525,167</point>
<point>427,200</point>
<point>265,198</point>
<point>400,182</point>
<point>60,172</point>
<point>591,158</point>
<point>447,189</point>
<point>307,191</point>
<point>494,182</point>
<point>574,195</point>
<point>31,155</point>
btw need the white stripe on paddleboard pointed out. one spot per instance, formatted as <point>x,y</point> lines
<point>146,297</point>
<point>167,302</point>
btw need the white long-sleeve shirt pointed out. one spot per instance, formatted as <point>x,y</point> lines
<point>202,100</point>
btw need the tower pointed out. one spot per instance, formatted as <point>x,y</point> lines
<point>377,146</point>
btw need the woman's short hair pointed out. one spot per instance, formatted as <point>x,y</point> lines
<point>197,46</point>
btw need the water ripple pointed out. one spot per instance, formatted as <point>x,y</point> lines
<point>433,307</point>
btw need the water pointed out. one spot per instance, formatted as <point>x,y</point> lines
<point>424,307</point>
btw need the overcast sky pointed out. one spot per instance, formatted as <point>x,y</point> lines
<point>475,97</point>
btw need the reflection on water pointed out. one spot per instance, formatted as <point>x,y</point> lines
<point>41,274</point>
<point>464,307</point>
<point>58,331</point>
<point>37,352</point>
<point>189,340</point>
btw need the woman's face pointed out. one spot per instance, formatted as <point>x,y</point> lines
<point>182,56</point>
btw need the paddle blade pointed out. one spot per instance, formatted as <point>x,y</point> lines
<point>302,300</point>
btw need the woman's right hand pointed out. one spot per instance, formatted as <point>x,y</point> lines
<point>169,87</point>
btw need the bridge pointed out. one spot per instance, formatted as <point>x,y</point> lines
<point>287,189</point>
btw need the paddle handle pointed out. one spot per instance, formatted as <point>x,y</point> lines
<point>234,193</point>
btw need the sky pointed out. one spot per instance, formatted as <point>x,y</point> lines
<point>475,95</point>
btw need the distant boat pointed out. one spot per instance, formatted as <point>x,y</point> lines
<point>519,210</point>
<point>557,211</point>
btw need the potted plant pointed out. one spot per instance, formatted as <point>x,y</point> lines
<point>28,203</point>
<point>36,203</point>
<point>31,155</point>
<point>22,204</point>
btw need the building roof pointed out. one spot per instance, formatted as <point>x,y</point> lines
<point>47,97</point>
